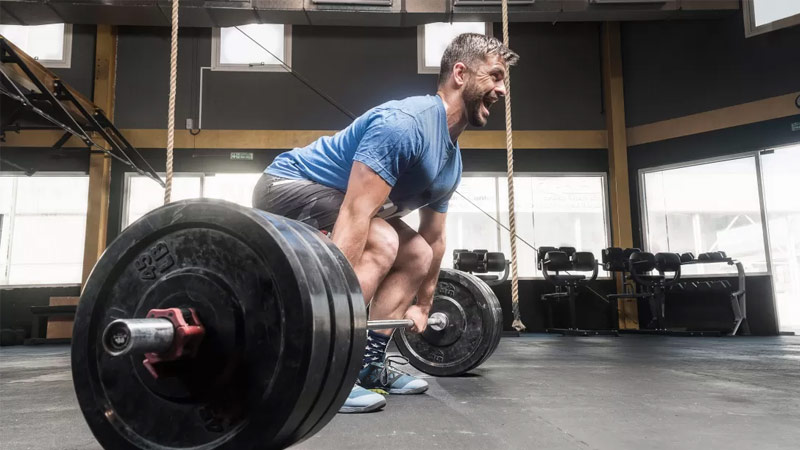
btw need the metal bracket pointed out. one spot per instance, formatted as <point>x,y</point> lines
<point>50,106</point>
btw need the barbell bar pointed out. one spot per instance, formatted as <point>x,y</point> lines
<point>156,335</point>
<point>437,321</point>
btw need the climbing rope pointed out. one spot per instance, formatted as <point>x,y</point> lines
<point>512,221</point>
<point>173,81</point>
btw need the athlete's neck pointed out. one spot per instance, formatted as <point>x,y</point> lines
<point>455,112</point>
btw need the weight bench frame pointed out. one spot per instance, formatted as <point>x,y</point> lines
<point>40,316</point>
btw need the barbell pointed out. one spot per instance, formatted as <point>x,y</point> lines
<point>210,325</point>
<point>157,335</point>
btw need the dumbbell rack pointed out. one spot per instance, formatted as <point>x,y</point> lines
<point>737,297</point>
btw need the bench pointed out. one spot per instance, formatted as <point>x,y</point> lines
<point>40,316</point>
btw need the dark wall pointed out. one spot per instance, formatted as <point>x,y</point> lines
<point>557,82</point>
<point>80,75</point>
<point>681,67</point>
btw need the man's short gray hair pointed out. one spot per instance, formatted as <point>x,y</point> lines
<point>469,48</point>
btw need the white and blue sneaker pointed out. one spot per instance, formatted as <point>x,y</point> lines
<point>361,400</point>
<point>381,376</point>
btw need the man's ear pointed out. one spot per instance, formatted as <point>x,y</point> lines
<point>460,74</point>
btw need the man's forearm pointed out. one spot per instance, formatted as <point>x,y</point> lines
<point>350,234</point>
<point>428,287</point>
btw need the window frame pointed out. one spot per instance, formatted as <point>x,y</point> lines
<point>216,66</point>
<point>66,61</point>
<point>750,27</point>
<point>756,155</point>
<point>4,276</point>
<point>424,69</point>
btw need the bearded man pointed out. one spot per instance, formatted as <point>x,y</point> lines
<point>398,157</point>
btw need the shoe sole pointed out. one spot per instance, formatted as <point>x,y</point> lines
<point>418,390</point>
<point>362,409</point>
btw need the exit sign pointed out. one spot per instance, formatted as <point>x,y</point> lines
<point>242,156</point>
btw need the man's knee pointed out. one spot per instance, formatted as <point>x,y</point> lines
<point>382,244</point>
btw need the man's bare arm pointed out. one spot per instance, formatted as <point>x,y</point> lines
<point>432,229</point>
<point>366,193</point>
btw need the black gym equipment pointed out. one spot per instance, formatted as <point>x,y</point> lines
<point>36,99</point>
<point>556,266</point>
<point>480,262</point>
<point>639,265</point>
<point>634,265</point>
<point>736,296</point>
<point>283,330</point>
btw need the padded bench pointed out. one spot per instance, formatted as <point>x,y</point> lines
<point>39,324</point>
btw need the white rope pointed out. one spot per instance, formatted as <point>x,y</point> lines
<point>512,220</point>
<point>173,81</point>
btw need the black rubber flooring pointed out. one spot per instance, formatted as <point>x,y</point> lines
<point>535,392</point>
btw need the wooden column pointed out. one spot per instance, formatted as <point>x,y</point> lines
<point>614,100</point>
<point>99,163</point>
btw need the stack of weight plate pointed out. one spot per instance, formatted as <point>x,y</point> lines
<point>285,331</point>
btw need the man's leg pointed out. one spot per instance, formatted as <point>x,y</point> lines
<point>391,300</point>
<point>318,206</point>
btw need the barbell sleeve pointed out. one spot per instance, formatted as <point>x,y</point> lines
<point>124,336</point>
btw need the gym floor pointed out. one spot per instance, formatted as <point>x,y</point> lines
<point>536,391</point>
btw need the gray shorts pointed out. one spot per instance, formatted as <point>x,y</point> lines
<point>303,200</point>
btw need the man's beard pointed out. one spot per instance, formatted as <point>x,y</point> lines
<point>473,100</point>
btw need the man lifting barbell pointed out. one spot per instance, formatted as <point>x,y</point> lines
<point>398,157</point>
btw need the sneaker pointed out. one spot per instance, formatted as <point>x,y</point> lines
<point>361,400</point>
<point>383,376</point>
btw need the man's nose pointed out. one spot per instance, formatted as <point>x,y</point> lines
<point>500,88</point>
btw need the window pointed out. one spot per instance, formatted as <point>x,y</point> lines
<point>557,210</point>
<point>761,16</point>
<point>242,48</point>
<point>143,195</point>
<point>433,39</point>
<point>551,209</point>
<point>705,207</point>
<point>50,44</point>
<point>42,229</point>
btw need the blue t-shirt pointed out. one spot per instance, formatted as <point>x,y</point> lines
<point>406,142</point>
